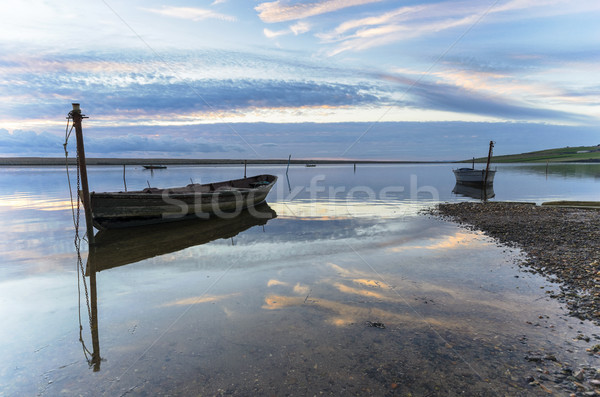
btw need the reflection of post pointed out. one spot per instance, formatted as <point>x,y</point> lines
<point>124,181</point>
<point>94,321</point>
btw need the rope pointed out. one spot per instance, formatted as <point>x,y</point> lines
<point>77,242</point>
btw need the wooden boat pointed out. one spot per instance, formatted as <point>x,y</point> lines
<point>154,167</point>
<point>153,205</point>
<point>472,176</point>
<point>119,247</point>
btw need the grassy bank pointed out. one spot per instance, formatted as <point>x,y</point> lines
<point>566,154</point>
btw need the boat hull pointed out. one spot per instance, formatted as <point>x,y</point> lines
<point>469,176</point>
<point>222,199</point>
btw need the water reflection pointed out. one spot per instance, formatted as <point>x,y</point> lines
<point>118,247</point>
<point>283,311</point>
<point>476,192</point>
<point>569,170</point>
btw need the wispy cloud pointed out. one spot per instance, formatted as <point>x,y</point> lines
<point>271,34</point>
<point>469,98</point>
<point>297,28</point>
<point>416,21</point>
<point>282,11</point>
<point>300,27</point>
<point>191,13</point>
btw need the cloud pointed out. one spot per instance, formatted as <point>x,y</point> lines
<point>192,13</point>
<point>280,11</point>
<point>163,143</point>
<point>453,98</point>
<point>385,140</point>
<point>416,21</point>
<point>300,27</point>
<point>123,92</point>
<point>111,142</point>
<point>297,28</point>
<point>272,34</point>
<point>22,142</point>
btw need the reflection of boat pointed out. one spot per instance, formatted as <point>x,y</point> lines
<point>154,167</point>
<point>311,165</point>
<point>153,205</point>
<point>476,192</point>
<point>118,247</point>
<point>472,176</point>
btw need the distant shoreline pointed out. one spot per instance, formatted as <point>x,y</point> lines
<point>54,161</point>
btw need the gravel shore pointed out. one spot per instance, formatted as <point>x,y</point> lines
<point>561,243</point>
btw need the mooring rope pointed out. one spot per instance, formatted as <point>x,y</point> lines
<point>77,241</point>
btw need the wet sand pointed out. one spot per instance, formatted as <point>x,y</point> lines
<point>561,243</point>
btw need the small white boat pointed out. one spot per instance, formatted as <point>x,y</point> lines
<point>471,176</point>
<point>476,177</point>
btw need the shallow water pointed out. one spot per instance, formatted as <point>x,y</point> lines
<point>283,306</point>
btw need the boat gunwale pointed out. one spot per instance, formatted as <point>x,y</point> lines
<point>192,190</point>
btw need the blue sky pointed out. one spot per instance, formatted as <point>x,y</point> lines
<point>363,79</point>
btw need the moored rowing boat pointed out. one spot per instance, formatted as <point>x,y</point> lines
<point>153,205</point>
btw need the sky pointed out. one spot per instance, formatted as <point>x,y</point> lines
<point>321,79</point>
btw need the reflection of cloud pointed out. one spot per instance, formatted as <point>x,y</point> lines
<point>340,314</point>
<point>201,299</point>
<point>344,209</point>
<point>273,282</point>
<point>458,240</point>
<point>361,292</point>
<point>371,283</point>
<point>22,201</point>
<point>301,289</point>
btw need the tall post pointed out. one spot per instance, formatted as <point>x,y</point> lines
<point>487,167</point>
<point>85,192</point>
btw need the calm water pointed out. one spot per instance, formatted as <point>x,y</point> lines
<point>281,306</point>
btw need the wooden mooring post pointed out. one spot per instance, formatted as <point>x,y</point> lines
<point>85,193</point>
<point>85,190</point>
